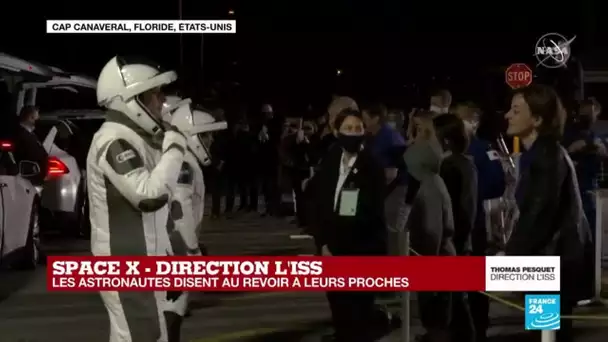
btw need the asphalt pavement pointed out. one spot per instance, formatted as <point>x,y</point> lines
<point>28,313</point>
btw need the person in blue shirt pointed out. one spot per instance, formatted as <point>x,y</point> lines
<point>490,184</point>
<point>387,146</point>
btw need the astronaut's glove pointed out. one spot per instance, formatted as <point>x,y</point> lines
<point>174,139</point>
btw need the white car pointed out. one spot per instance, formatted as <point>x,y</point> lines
<point>19,199</point>
<point>63,197</point>
<point>68,135</point>
<point>19,202</point>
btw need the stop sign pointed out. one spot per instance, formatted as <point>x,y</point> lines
<point>518,75</point>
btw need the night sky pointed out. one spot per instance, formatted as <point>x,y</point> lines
<point>289,51</point>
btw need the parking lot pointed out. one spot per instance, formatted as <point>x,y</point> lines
<point>28,313</point>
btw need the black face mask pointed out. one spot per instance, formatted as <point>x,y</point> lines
<point>350,143</point>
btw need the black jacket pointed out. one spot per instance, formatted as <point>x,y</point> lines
<point>269,149</point>
<point>28,147</point>
<point>551,220</point>
<point>321,145</point>
<point>240,153</point>
<point>364,233</point>
<point>460,177</point>
<point>301,156</point>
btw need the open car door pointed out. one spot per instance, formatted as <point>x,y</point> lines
<point>14,71</point>
<point>26,69</point>
<point>65,136</point>
<point>63,81</point>
<point>49,140</point>
<point>27,93</point>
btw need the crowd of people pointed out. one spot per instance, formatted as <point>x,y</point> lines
<point>358,181</point>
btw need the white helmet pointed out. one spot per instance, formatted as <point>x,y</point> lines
<point>193,122</point>
<point>120,83</point>
<point>171,104</point>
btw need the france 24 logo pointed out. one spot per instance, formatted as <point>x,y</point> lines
<point>542,312</point>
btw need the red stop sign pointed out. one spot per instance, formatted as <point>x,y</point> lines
<point>518,75</point>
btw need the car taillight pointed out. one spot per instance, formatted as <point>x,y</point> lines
<point>56,168</point>
<point>6,145</point>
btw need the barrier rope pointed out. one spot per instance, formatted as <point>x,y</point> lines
<point>523,309</point>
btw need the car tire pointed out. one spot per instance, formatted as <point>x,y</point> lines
<point>30,254</point>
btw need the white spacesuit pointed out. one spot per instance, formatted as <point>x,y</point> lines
<point>131,166</point>
<point>187,204</point>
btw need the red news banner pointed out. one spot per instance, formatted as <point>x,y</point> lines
<point>266,273</point>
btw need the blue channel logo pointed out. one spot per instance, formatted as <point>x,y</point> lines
<point>542,312</point>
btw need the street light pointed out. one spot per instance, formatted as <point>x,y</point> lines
<point>230,12</point>
<point>338,72</point>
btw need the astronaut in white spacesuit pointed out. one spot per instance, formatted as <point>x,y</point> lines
<point>187,204</point>
<point>132,165</point>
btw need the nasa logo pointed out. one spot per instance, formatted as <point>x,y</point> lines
<point>552,50</point>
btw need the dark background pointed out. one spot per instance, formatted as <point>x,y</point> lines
<point>288,51</point>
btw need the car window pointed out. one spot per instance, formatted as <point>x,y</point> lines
<point>86,128</point>
<point>80,140</point>
<point>6,109</point>
<point>64,135</point>
<point>64,132</point>
<point>43,127</point>
<point>8,166</point>
<point>50,100</point>
<point>5,96</point>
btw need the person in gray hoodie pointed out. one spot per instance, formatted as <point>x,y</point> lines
<point>430,221</point>
<point>431,227</point>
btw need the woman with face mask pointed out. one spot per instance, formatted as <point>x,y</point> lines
<point>349,208</point>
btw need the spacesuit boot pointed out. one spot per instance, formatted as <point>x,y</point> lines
<point>174,325</point>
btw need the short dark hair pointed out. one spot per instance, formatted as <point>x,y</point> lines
<point>451,133</point>
<point>444,94</point>
<point>26,112</point>
<point>344,114</point>
<point>375,110</point>
<point>544,103</point>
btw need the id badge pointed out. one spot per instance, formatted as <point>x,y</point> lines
<point>348,202</point>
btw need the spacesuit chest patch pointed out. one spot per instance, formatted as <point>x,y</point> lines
<point>122,157</point>
<point>186,174</point>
